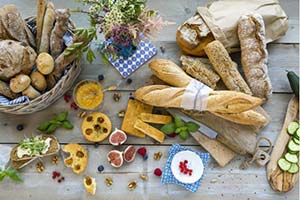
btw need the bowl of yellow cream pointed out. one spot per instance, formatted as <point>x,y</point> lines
<point>88,94</point>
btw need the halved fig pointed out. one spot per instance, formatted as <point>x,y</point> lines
<point>117,137</point>
<point>115,158</point>
<point>129,153</point>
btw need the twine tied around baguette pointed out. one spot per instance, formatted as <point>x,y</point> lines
<point>260,157</point>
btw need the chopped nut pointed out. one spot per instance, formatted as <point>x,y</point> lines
<point>157,155</point>
<point>82,115</point>
<point>55,160</point>
<point>213,180</point>
<point>111,88</point>
<point>108,181</point>
<point>132,185</point>
<point>144,177</point>
<point>117,97</point>
<point>39,167</point>
<point>121,113</point>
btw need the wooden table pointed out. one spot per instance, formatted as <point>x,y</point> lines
<point>219,183</point>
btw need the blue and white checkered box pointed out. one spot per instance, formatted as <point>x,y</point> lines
<point>145,51</point>
<point>168,177</point>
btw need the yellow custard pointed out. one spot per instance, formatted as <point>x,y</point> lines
<point>88,94</point>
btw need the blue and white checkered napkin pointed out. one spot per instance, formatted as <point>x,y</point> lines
<point>145,51</point>
<point>168,177</point>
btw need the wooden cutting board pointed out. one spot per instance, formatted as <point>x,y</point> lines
<point>283,181</point>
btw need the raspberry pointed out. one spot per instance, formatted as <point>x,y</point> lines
<point>172,135</point>
<point>185,161</point>
<point>59,180</point>
<point>157,172</point>
<point>142,151</point>
<point>63,178</point>
<point>67,98</point>
<point>74,106</point>
<point>53,177</point>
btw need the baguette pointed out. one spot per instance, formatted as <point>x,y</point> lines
<point>41,9</point>
<point>200,69</point>
<point>217,101</point>
<point>251,32</point>
<point>226,68</point>
<point>48,22</point>
<point>249,117</point>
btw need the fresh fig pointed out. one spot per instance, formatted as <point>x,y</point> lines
<point>115,158</point>
<point>129,153</point>
<point>117,137</point>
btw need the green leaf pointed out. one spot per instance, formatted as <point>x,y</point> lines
<point>184,135</point>
<point>51,128</point>
<point>67,53</point>
<point>13,175</point>
<point>183,128</point>
<point>192,127</point>
<point>43,126</point>
<point>62,116</point>
<point>178,122</point>
<point>67,124</point>
<point>77,44</point>
<point>168,128</point>
<point>90,56</point>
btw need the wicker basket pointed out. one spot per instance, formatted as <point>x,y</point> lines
<point>49,97</point>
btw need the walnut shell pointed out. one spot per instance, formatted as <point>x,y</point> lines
<point>31,92</point>
<point>19,83</point>
<point>38,81</point>
<point>45,63</point>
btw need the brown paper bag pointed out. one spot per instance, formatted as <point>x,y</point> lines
<point>219,20</point>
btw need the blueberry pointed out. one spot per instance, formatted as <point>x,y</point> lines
<point>101,77</point>
<point>96,144</point>
<point>100,168</point>
<point>131,97</point>
<point>20,127</point>
<point>129,80</point>
<point>145,157</point>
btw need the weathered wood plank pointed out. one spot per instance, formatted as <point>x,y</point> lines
<point>9,134</point>
<point>228,183</point>
<point>281,57</point>
<point>176,11</point>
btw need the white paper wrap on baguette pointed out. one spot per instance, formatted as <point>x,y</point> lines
<point>195,96</point>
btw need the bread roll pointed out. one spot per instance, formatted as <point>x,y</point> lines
<point>45,63</point>
<point>19,83</point>
<point>225,67</point>
<point>251,32</point>
<point>193,36</point>
<point>38,81</point>
<point>217,101</point>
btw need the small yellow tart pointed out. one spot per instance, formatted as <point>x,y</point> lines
<point>88,94</point>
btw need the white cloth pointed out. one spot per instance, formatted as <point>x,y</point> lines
<point>4,155</point>
<point>195,96</point>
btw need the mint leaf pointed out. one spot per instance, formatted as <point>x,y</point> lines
<point>13,175</point>
<point>192,127</point>
<point>168,128</point>
<point>62,116</point>
<point>184,134</point>
<point>178,122</point>
<point>43,126</point>
<point>67,124</point>
<point>183,128</point>
<point>51,128</point>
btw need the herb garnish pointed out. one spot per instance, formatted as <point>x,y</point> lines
<point>11,173</point>
<point>59,120</point>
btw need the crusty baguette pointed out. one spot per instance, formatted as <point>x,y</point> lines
<point>41,9</point>
<point>200,69</point>
<point>169,72</point>
<point>48,23</point>
<point>225,67</point>
<point>249,117</point>
<point>217,101</point>
<point>251,32</point>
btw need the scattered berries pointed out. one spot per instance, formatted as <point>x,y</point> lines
<point>142,151</point>
<point>100,168</point>
<point>20,127</point>
<point>184,169</point>
<point>74,106</point>
<point>157,172</point>
<point>67,98</point>
<point>129,80</point>
<point>172,135</point>
<point>145,157</point>
<point>56,174</point>
<point>101,77</point>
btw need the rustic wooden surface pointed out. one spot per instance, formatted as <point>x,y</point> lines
<point>226,183</point>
